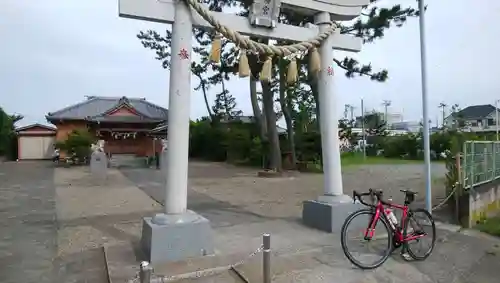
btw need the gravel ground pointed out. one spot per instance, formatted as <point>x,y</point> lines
<point>229,195</point>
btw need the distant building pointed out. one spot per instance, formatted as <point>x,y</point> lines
<point>409,126</point>
<point>393,118</point>
<point>475,118</point>
<point>394,121</point>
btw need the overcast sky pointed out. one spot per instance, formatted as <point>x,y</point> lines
<point>54,52</point>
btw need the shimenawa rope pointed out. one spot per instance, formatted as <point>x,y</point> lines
<point>248,44</point>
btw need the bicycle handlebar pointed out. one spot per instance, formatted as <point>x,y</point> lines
<point>372,193</point>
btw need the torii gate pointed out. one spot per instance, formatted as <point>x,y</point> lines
<point>179,233</point>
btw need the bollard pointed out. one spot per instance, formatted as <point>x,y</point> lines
<point>266,258</point>
<point>145,272</point>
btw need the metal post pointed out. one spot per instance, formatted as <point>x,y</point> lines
<point>485,162</point>
<point>423,70</point>
<point>496,116</point>
<point>465,175</point>
<point>494,160</point>
<point>473,164</point>
<point>266,258</point>
<point>145,272</point>
<point>363,127</point>
<point>460,186</point>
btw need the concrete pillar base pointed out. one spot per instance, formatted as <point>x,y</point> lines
<point>328,213</point>
<point>174,237</point>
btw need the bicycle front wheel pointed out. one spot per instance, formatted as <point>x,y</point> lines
<point>366,252</point>
<point>420,224</point>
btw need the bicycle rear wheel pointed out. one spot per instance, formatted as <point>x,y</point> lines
<point>420,222</point>
<point>379,246</point>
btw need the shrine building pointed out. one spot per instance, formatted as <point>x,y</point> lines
<point>127,125</point>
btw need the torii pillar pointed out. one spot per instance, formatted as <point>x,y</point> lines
<point>330,210</point>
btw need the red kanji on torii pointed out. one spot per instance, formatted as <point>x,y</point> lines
<point>329,71</point>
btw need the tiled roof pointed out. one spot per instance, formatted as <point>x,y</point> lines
<point>122,119</point>
<point>476,111</point>
<point>50,128</point>
<point>96,106</point>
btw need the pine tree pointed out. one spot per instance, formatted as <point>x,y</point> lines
<point>370,26</point>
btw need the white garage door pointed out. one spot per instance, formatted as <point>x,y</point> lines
<point>36,147</point>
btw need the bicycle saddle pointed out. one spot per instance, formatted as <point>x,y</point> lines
<point>408,192</point>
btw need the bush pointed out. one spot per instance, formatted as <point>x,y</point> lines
<point>207,141</point>
<point>404,146</point>
<point>440,142</point>
<point>239,143</point>
<point>234,142</point>
<point>8,138</point>
<point>77,144</point>
<point>308,147</point>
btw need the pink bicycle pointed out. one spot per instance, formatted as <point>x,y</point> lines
<point>417,226</point>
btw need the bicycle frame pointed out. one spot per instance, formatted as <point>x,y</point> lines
<point>381,209</point>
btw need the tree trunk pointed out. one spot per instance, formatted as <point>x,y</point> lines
<point>259,119</point>
<point>314,89</point>
<point>285,101</point>
<point>313,83</point>
<point>272,131</point>
<point>204,89</point>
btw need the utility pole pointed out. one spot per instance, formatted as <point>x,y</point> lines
<point>425,106</point>
<point>363,127</point>
<point>386,104</point>
<point>443,106</point>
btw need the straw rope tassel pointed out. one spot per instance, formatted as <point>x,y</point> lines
<point>314,61</point>
<point>216,46</point>
<point>243,68</point>
<point>291,76</point>
<point>265,73</point>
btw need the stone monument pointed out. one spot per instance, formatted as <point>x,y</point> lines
<point>98,160</point>
<point>179,233</point>
<point>164,155</point>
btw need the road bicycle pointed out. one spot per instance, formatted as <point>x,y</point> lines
<point>392,235</point>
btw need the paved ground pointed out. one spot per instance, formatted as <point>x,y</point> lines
<point>56,221</point>
<point>301,254</point>
<point>29,231</point>
<point>28,223</point>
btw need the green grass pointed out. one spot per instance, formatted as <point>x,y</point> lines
<point>351,160</point>
<point>490,226</point>
<point>358,159</point>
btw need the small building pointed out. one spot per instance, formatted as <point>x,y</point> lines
<point>475,118</point>
<point>35,142</point>
<point>123,123</point>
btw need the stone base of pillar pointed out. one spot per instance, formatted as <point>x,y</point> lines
<point>175,237</point>
<point>328,213</point>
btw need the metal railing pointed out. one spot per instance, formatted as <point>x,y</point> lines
<point>480,163</point>
<point>146,272</point>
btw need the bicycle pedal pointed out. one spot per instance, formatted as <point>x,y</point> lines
<point>406,256</point>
